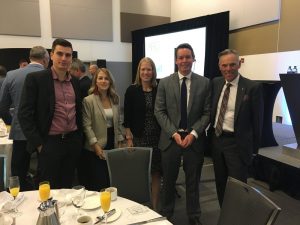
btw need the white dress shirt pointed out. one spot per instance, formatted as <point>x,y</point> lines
<point>228,123</point>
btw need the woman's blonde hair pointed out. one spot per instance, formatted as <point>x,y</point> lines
<point>111,92</point>
<point>153,79</point>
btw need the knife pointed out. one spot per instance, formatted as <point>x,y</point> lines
<point>108,214</point>
<point>149,221</point>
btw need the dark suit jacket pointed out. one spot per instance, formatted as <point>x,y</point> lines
<point>37,107</point>
<point>248,116</point>
<point>85,84</point>
<point>135,109</point>
<point>167,108</point>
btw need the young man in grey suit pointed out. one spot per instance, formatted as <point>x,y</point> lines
<point>10,96</point>
<point>236,122</point>
<point>182,109</point>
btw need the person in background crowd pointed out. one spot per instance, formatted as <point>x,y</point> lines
<point>236,121</point>
<point>10,95</point>
<point>182,109</point>
<point>50,117</point>
<point>22,63</point>
<point>93,70</point>
<point>102,127</point>
<point>77,69</point>
<point>3,72</point>
<point>140,124</point>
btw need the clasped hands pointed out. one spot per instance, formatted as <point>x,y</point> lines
<point>185,142</point>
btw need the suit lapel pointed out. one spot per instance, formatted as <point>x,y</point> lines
<point>192,92</point>
<point>176,88</point>
<point>115,114</point>
<point>99,105</point>
<point>51,91</point>
<point>239,97</point>
<point>218,90</point>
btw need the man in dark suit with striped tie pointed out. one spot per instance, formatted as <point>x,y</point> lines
<point>236,121</point>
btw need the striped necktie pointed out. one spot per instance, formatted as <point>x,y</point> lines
<point>219,125</point>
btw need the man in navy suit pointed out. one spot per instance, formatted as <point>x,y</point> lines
<point>50,117</point>
<point>236,132</point>
<point>10,96</point>
<point>183,126</point>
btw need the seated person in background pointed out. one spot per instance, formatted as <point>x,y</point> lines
<point>5,116</point>
<point>3,72</point>
<point>93,70</point>
<point>142,129</point>
<point>22,63</point>
<point>102,127</point>
<point>77,69</point>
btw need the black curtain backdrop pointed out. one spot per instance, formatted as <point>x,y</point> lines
<point>217,35</point>
<point>9,57</point>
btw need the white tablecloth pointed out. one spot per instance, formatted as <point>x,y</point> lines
<point>30,212</point>
<point>5,152</point>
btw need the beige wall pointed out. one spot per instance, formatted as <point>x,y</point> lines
<point>139,14</point>
<point>289,36</point>
<point>255,40</point>
<point>283,35</point>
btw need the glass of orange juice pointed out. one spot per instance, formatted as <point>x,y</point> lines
<point>105,200</point>
<point>44,190</point>
<point>14,189</point>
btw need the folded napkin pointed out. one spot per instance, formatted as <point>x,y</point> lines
<point>64,195</point>
<point>7,202</point>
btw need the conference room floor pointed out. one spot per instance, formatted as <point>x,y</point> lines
<point>210,207</point>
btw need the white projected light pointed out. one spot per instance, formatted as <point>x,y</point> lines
<point>161,48</point>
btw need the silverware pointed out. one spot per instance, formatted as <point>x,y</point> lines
<point>149,221</point>
<point>108,214</point>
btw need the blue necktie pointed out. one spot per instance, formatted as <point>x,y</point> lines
<point>183,105</point>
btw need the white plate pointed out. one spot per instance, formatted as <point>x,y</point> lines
<point>115,216</point>
<point>91,202</point>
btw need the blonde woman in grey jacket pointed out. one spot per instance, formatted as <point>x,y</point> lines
<point>102,128</point>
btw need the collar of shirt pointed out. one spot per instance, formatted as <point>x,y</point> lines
<point>55,77</point>
<point>35,63</point>
<point>187,76</point>
<point>235,81</point>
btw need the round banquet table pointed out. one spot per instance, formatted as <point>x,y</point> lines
<point>30,213</point>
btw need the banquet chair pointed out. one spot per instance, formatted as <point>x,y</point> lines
<point>246,205</point>
<point>129,171</point>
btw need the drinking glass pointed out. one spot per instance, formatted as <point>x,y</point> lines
<point>44,190</point>
<point>14,189</point>
<point>78,197</point>
<point>105,199</point>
